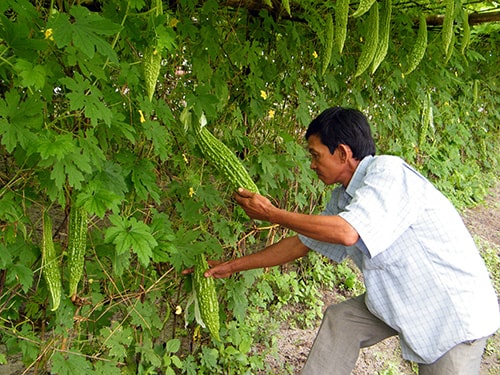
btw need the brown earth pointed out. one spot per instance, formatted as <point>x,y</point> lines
<point>384,358</point>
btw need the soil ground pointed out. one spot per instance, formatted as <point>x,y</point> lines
<point>384,358</point>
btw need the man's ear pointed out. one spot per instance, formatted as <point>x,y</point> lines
<point>345,152</point>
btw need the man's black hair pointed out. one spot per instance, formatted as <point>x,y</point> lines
<point>347,126</point>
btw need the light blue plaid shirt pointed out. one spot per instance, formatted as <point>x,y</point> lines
<point>423,274</point>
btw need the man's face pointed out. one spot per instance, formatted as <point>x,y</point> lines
<point>329,167</point>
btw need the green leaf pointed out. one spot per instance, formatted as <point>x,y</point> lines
<point>148,355</point>
<point>106,367</point>
<point>84,33</point>
<point>87,97</point>
<point>31,75</point>
<point>20,274</point>
<point>20,120</point>
<point>117,339</point>
<point>98,199</point>
<point>61,29</point>
<point>130,234</point>
<point>144,179</point>
<point>5,257</point>
<point>72,364</point>
<point>145,315</point>
<point>173,345</point>
<point>62,154</point>
<point>158,135</point>
<point>57,147</point>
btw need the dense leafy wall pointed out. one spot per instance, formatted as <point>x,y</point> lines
<point>82,123</point>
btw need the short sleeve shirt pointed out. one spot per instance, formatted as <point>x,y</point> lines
<point>423,274</point>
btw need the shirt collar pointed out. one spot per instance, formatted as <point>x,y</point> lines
<point>358,175</point>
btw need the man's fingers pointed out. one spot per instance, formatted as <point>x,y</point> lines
<point>244,193</point>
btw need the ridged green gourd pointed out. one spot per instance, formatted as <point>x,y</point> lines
<point>224,160</point>
<point>77,243</point>
<point>50,263</point>
<point>363,7</point>
<point>371,41</point>
<point>328,47</point>
<point>418,51</point>
<point>341,20</point>
<point>384,31</point>
<point>206,296</point>
<point>151,66</point>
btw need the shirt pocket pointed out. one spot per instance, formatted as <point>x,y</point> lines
<point>388,259</point>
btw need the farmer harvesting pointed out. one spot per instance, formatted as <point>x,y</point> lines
<point>425,279</point>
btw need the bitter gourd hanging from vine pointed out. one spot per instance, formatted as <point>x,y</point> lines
<point>50,263</point>
<point>417,53</point>
<point>384,31</point>
<point>224,160</point>
<point>371,41</point>
<point>77,243</point>
<point>206,296</point>
<point>328,46</point>
<point>341,18</point>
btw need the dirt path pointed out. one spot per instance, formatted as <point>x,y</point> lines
<point>384,358</point>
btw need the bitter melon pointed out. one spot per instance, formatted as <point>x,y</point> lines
<point>371,41</point>
<point>341,18</point>
<point>384,33</point>
<point>206,296</point>
<point>224,160</point>
<point>77,242</point>
<point>363,7</point>
<point>151,66</point>
<point>447,31</point>
<point>417,53</point>
<point>328,47</point>
<point>50,263</point>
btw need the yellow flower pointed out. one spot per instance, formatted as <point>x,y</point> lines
<point>263,94</point>
<point>143,119</point>
<point>178,310</point>
<point>191,192</point>
<point>315,54</point>
<point>48,34</point>
<point>185,158</point>
<point>270,113</point>
<point>173,22</point>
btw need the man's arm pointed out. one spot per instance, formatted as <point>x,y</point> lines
<point>282,252</point>
<point>332,229</point>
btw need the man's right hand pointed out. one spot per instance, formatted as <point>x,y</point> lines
<point>217,270</point>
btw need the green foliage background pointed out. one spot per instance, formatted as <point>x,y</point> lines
<point>75,118</point>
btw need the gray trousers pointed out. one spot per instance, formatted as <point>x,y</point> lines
<point>349,326</point>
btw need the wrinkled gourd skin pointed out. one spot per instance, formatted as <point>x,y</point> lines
<point>50,263</point>
<point>226,162</point>
<point>77,243</point>
<point>207,297</point>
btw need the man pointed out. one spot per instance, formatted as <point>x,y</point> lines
<point>425,280</point>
